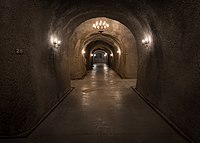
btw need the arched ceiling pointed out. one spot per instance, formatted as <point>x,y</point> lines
<point>69,14</point>
<point>99,45</point>
<point>116,37</point>
<point>99,51</point>
<point>105,39</point>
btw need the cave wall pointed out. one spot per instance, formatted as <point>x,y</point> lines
<point>169,74</point>
<point>33,81</point>
<point>129,55</point>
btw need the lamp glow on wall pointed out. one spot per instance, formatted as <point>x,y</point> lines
<point>119,51</point>
<point>111,55</point>
<point>83,52</point>
<point>55,42</point>
<point>146,42</point>
<point>105,54</point>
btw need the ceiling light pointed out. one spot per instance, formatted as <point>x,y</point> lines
<point>100,25</point>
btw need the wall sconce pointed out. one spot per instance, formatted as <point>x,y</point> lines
<point>55,42</point>
<point>59,43</point>
<point>83,52</point>
<point>118,51</point>
<point>91,55</point>
<point>105,54</point>
<point>111,55</point>
<point>146,42</point>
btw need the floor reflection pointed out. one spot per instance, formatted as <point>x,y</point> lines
<point>102,87</point>
<point>102,111</point>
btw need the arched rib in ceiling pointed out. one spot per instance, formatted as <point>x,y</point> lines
<point>99,51</point>
<point>109,39</point>
<point>99,45</point>
<point>69,15</point>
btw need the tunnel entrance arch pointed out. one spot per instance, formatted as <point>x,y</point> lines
<point>117,39</point>
<point>99,46</point>
<point>68,19</point>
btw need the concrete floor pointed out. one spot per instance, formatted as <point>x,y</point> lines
<point>102,109</point>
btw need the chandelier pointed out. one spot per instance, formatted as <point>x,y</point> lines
<point>101,25</point>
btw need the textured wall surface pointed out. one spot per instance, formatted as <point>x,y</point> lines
<point>30,82</point>
<point>169,75</point>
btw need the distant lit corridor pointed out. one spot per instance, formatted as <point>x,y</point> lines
<point>102,109</point>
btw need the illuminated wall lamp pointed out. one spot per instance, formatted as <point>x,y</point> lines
<point>83,52</point>
<point>145,42</point>
<point>118,51</point>
<point>56,43</point>
<point>59,43</point>
<point>91,55</point>
<point>111,55</point>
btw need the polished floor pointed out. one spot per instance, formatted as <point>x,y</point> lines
<point>102,109</point>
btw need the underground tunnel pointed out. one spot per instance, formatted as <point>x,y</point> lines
<point>48,44</point>
<point>85,39</point>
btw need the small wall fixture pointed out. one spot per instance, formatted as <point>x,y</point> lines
<point>111,55</point>
<point>92,55</point>
<point>146,42</point>
<point>118,51</point>
<point>105,54</point>
<point>83,52</point>
<point>55,42</point>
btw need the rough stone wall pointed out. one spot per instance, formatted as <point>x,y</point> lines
<point>15,83</point>
<point>30,82</point>
<point>129,64</point>
<point>169,75</point>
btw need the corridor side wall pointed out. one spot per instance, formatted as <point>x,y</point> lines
<point>32,82</point>
<point>169,74</point>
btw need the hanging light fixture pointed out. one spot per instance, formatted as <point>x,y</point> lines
<point>100,25</point>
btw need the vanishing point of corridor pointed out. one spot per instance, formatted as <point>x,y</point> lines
<point>102,109</point>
